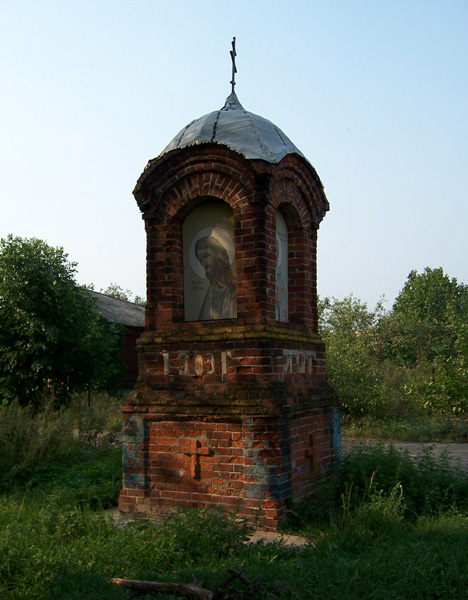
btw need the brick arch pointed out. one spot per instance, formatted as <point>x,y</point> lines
<point>191,204</point>
<point>286,193</point>
<point>293,217</point>
<point>210,183</point>
<point>170,182</point>
<point>297,180</point>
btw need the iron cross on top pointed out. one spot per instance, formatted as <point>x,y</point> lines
<point>233,58</point>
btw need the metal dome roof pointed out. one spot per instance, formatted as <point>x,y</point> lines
<point>240,130</point>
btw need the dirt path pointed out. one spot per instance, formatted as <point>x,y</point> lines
<point>458,452</point>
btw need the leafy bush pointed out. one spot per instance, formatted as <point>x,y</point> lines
<point>223,532</point>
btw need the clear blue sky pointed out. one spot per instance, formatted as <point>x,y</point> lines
<point>373,92</point>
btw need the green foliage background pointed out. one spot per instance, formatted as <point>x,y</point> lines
<point>410,360</point>
<point>52,338</point>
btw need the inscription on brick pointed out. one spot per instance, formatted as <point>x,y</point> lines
<point>195,364</point>
<point>299,361</point>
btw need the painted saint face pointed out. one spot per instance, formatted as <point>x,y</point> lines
<point>207,257</point>
<point>217,271</point>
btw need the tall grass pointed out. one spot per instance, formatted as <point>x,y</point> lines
<point>69,452</point>
<point>365,552</point>
<point>429,483</point>
<point>390,528</point>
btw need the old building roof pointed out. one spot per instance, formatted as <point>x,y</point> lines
<point>115,310</point>
<point>240,130</point>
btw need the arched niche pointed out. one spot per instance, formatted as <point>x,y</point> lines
<point>299,249</point>
<point>209,262</point>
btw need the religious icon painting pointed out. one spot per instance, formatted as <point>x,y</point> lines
<point>281,309</point>
<point>209,263</point>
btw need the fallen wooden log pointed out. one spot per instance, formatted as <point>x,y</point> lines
<point>195,590</point>
<point>187,590</point>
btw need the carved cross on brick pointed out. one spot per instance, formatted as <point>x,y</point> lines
<point>312,451</point>
<point>196,451</point>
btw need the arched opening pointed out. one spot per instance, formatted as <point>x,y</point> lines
<point>209,263</point>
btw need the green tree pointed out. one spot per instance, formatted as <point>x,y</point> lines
<point>427,313</point>
<point>52,338</point>
<point>348,328</point>
<point>409,360</point>
<point>116,291</point>
<point>427,330</point>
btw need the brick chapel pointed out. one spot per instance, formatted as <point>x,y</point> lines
<point>231,407</point>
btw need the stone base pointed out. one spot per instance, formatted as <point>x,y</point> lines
<point>253,465</point>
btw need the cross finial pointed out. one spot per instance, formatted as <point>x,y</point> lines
<point>233,58</point>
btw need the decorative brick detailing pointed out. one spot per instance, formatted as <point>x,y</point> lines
<point>233,412</point>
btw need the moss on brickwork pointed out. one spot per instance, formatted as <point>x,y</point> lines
<point>182,334</point>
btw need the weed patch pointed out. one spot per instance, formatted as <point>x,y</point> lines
<point>430,484</point>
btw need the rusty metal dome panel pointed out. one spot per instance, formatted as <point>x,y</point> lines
<point>240,130</point>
